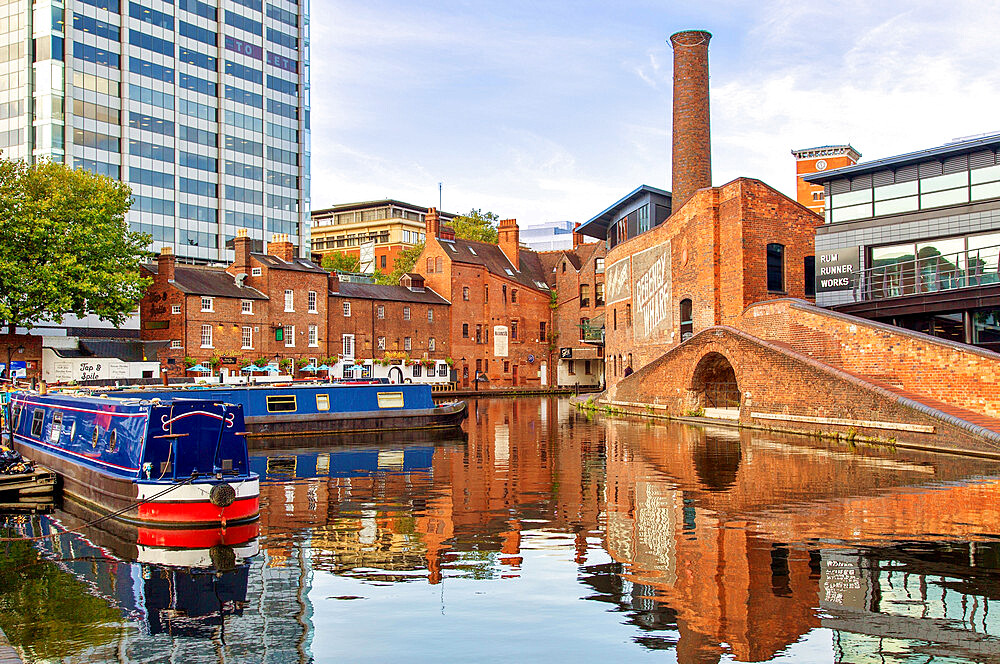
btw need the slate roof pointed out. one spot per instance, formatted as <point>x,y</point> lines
<point>388,293</point>
<point>297,264</point>
<point>213,281</point>
<point>490,256</point>
<point>126,350</point>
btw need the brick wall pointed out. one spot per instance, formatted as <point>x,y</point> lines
<point>366,326</point>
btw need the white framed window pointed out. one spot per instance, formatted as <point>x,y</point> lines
<point>246,306</point>
<point>247,337</point>
<point>380,311</point>
<point>381,343</point>
<point>314,336</point>
<point>206,336</point>
<point>176,343</point>
<point>175,310</point>
<point>430,315</point>
<point>256,272</point>
<point>208,304</point>
<point>289,300</point>
<point>348,345</point>
<point>431,344</point>
<point>347,309</point>
<point>407,343</point>
<point>289,336</point>
<point>406,313</point>
<point>312,302</point>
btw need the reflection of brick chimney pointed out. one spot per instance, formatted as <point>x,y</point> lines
<point>241,243</point>
<point>280,247</point>
<point>577,237</point>
<point>165,264</point>
<point>691,168</point>
<point>432,223</point>
<point>510,241</point>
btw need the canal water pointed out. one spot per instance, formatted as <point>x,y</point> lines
<point>545,535</point>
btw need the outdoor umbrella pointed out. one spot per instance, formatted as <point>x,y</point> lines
<point>310,368</point>
<point>199,367</point>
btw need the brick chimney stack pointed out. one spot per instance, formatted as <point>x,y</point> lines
<point>577,237</point>
<point>165,263</point>
<point>691,168</point>
<point>280,247</point>
<point>241,243</point>
<point>432,223</point>
<point>509,241</point>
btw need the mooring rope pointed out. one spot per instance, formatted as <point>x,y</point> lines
<point>103,518</point>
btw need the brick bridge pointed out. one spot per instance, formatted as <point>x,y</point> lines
<point>786,364</point>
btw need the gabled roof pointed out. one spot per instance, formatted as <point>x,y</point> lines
<point>388,293</point>
<point>490,256</point>
<point>297,264</point>
<point>212,281</point>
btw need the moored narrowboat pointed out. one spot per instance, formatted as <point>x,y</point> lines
<point>325,408</point>
<point>177,463</point>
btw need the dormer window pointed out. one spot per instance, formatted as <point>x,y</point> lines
<point>509,272</point>
<point>473,251</point>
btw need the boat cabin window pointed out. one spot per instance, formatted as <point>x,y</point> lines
<point>281,403</point>
<point>113,441</point>
<point>56,427</point>
<point>36,423</point>
<point>390,399</point>
<point>96,436</point>
<point>322,402</point>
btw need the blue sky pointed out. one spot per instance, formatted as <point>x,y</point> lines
<point>545,111</point>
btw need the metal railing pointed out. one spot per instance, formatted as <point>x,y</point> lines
<point>722,395</point>
<point>930,274</point>
<point>594,334</point>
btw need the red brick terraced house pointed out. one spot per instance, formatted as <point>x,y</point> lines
<point>500,315</point>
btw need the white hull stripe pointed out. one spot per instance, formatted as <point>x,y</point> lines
<point>27,440</point>
<point>189,493</point>
<point>191,557</point>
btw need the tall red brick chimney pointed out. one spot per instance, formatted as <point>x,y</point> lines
<point>241,243</point>
<point>165,263</point>
<point>691,168</point>
<point>280,247</point>
<point>510,241</point>
<point>432,223</point>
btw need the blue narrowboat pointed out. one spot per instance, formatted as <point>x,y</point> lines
<point>171,463</point>
<point>325,408</point>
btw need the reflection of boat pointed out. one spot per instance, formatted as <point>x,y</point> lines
<point>165,463</point>
<point>325,408</point>
<point>346,462</point>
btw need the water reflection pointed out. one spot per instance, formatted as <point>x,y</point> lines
<point>546,533</point>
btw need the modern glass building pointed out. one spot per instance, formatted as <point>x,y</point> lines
<point>202,107</point>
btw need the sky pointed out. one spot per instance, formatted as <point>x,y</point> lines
<point>549,111</point>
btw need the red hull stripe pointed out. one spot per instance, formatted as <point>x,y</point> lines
<point>200,512</point>
<point>76,454</point>
<point>18,402</point>
<point>198,538</point>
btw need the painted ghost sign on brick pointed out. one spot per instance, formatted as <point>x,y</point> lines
<point>616,281</point>
<point>651,300</point>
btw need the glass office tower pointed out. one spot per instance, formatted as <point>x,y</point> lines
<point>202,107</point>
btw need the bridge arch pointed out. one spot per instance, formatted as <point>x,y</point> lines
<point>714,383</point>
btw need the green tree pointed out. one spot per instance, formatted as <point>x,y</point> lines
<point>340,262</point>
<point>404,263</point>
<point>65,247</point>
<point>477,225</point>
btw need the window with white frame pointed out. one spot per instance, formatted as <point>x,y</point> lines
<point>407,343</point>
<point>208,304</point>
<point>289,300</point>
<point>430,315</point>
<point>256,272</point>
<point>246,306</point>
<point>348,345</point>
<point>175,310</point>
<point>381,343</point>
<point>314,335</point>
<point>431,344</point>
<point>289,336</point>
<point>347,309</point>
<point>312,302</point>
<point>406,313</point>
<point>206,336</point>
<point>380,310</point>
<point>176,343</point>
<point>247,337</point>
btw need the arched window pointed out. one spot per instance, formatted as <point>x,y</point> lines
<point>687,322</point>
<point>776,267</point>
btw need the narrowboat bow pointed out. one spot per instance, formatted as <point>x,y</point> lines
<point>167,463</point>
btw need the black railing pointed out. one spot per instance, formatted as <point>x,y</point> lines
<point>930,274</point>
<point>722,395</point>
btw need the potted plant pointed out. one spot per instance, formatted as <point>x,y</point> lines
<point>285,364</point>
<point>301,362</point>
<point>190,361</point>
